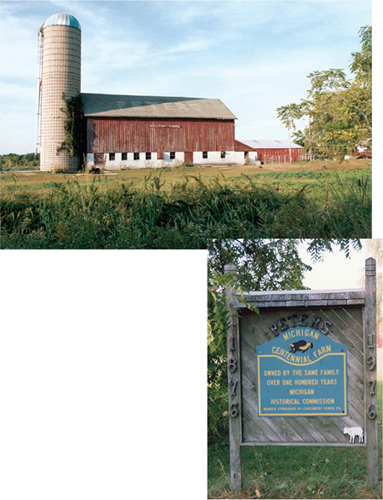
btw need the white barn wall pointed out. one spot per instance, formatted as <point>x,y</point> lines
<point>253,157</point>
<point>214,158</point>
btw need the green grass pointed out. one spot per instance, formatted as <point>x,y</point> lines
<point>296,472</point>
<point>182,208</point>
<point>30,166</point>
<point>291,178</point>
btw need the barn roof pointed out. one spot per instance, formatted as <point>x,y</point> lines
<point>137,106</point>
<point>270,144</point>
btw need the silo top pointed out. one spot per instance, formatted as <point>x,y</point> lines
<point>63,20</point>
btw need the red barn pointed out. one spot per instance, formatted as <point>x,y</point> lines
<point>143,131</point>
<point>272,151</point>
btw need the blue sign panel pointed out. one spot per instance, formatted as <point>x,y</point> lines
<point>301,373</point>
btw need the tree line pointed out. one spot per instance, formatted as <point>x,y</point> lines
<point>13,161</point>
<point>338,109</point>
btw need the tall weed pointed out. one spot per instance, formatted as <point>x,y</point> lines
<point>103,214</point>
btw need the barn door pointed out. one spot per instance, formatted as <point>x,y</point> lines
<point>98,158</point>
<point>188,157</point>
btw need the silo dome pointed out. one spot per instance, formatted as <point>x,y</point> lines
<point>62,19</point>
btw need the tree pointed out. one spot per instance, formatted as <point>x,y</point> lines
<point>339,110</point>
<point>11,161</point>
<point>261,265</point>
<point>361,65</point>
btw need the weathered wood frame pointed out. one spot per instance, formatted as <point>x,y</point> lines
<point>288,300</point>
<point>370,352</point>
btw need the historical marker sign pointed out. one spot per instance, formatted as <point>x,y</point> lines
<point>302,373</point>
<point>308,360</point>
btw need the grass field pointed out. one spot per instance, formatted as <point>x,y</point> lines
<point>296,472</point>
<point>317,176</point>
<point>183,207</point>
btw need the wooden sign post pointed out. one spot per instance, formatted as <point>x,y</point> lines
<point>302,372</point>
<point>234,380</point>
<point>371,371</point>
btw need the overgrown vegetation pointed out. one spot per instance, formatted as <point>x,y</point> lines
<point>106,214</point>
<point>12,161</point>
<point>339,110</point>
<point>74,126</point>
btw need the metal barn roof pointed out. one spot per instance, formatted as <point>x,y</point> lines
<point>133,106</point>
<point>62,19</point>
<point>272,144</point>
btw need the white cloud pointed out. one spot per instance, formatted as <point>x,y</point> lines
<point>191,45</point>
<point>220,14</point>
<point>18,46</point>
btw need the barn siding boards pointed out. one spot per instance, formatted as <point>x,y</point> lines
<point>142,135</point>
<point>371,428</point>
<point>296,154</point>
<point>277,153</point>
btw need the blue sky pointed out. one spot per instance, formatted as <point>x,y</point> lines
<point>253,55</point>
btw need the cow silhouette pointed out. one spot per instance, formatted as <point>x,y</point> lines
<point>353,432</point>
<point>300,346</point>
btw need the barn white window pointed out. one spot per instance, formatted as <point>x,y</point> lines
<point>245,154</point>
<point>204,154</point>
<point>148,156</point>
<point>112,156</point>
<point>172,155</point>
<point>136,156</point>
<point>223,154</point>
<point>124,156</point>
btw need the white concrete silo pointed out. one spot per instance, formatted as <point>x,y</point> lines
<point>60,74</point>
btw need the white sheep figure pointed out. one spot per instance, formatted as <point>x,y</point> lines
<point>354,431</point>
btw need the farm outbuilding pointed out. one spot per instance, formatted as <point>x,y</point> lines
<point>152,131</point>
<point>273,150</point>
<point>123,130</point>
<point>128,130</point>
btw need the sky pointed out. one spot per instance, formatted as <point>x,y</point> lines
<point>335,271</point>
<point>253,55</point>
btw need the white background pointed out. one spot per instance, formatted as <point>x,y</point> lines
<point>103,375</point>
